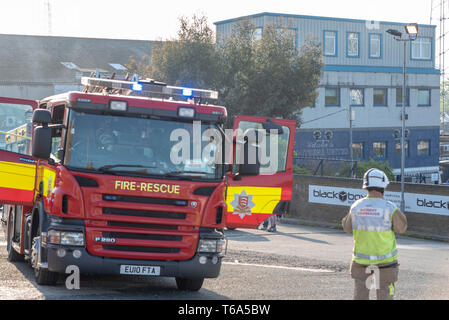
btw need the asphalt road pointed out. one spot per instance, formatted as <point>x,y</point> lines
<point>297,263</point>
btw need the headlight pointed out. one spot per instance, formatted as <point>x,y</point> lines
<point>65,238</point>
<point>211,246</point>
<point>72,238</point>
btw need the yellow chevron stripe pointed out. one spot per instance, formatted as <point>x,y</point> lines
<point>17,175</point>
<point>47,176</point>
<point>265,199</point>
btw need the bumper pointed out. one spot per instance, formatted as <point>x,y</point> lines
<point>88,263</point>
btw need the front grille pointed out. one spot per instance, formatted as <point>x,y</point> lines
<point>143,213</point>
<point>138,236</point>
<point>140,225</point>
<point>146,200</point>
<point>141,249</point>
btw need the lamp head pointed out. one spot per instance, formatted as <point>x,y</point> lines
<point>394,32</point>
<point>412,29</point>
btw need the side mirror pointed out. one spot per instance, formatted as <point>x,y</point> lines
<point>270,125</point>
<point>42,142</point>
<point>42,116</point>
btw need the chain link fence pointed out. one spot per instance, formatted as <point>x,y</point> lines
<point>326,167</point>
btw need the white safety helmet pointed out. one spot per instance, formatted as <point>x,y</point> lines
<point>375,178</point>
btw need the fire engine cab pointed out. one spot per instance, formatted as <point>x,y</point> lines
<point>136,178</point>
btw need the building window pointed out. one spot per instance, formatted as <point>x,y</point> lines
<point>424,148</point>
<point>257,34</point>
<point>353,44</point>
<point>357,150</point>
<point>375,46</point>
<point>380,97</point>
<point>398,148</point>
<point>332,97</point>
<point>424,97</point>
<point>289,33</point>
<point>380,150</point>
<point>357,97</point>
<point>399,97</point>
<point>422,49</point>
<point>330,43</point>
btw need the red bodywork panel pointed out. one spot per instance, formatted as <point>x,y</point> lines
<point>264,191</point>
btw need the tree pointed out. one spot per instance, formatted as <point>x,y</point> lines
<point>143,67</point>
<point>268,76</point>
<point>363,167</point>
<point>191,60</point>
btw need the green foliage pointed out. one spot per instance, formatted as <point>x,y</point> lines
<point>268,77</point>
<point>191,60</point>
<point>264,77</point>
<point>302,171</point>
<point>363,167</point>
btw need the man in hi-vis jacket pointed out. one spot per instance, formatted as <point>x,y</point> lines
<point>373,222</point>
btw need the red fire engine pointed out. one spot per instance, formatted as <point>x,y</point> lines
<point>99,188</point>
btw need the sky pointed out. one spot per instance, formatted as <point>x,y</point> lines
<point>158,20</point>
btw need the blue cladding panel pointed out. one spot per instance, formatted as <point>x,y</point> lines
<point>337,147</point>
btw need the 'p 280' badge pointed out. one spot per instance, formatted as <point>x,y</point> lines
<point>104,240</point>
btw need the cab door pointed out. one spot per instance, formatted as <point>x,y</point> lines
<point>17,167</point>
<point>253,199</point>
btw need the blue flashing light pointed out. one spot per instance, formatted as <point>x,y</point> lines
<point>187,92</point>
<point>137,87</point>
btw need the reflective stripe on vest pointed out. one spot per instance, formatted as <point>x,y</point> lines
<point>376,258</point>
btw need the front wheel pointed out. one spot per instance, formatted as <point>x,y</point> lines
<point>189,284</point>
<point>42,276</point>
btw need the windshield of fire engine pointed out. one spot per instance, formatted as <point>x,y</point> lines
<point>131,146</point>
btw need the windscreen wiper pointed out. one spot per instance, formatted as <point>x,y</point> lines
<point>108,168</point>
<point>179,173</point>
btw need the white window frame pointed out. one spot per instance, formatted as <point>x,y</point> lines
<point>429,98</point>
<point>350,39</point>
<point>419,44</point>
<point>330,35</point>
<point>375,37</point>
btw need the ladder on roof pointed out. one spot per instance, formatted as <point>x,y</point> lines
<point>147,88</point>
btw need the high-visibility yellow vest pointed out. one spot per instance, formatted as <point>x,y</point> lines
<point>374,239</point>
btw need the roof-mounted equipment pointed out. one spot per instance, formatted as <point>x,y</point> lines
<point>147,87</point>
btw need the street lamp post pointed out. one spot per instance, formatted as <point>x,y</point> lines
<point>412,32</point>
<point>351,150</point>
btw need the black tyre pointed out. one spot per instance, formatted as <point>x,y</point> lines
<point>189,284</point>
<point>42,276</point>
<point>13,255</point>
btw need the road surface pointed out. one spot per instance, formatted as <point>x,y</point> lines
<point>297,263</point>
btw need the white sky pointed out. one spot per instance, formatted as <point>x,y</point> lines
<point>158,19</point>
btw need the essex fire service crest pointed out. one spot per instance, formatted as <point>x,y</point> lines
<point>242,204</point>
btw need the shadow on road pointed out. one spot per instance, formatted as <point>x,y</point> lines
<point>246,236</point>
<point>296,236</point>
<point>111,287</point>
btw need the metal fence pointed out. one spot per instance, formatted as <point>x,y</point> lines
<point>326,167</point>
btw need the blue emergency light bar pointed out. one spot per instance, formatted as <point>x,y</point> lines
<point>147,87</point>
